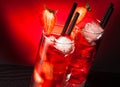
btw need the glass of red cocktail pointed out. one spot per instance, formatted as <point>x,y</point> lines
<point>83,56</point>
<point>53,59</point>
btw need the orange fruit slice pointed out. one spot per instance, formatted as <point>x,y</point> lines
<point>47,69</point>
<point>48,20</point>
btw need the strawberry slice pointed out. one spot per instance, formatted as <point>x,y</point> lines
<point>82,11</point>
<point>48,20</point>
<point>84,16</point>
<point>82,19</point>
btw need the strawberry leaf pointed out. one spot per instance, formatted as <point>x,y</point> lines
<point>50,10</point>
<point>88,7</point>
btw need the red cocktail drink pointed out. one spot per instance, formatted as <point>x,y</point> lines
<point>53,59</point>
<point>84,53</point>
<point>64,59</point>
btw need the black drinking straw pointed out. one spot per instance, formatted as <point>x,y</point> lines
<point>73,23</point>
<point>104,21</point>
<point>107,15</point>
<point>69,18</point>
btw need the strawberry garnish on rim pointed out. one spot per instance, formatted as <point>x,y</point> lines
<point>84,12</point>
<point>48,20</point>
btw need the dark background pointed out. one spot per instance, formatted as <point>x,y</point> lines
<point>20,31</point>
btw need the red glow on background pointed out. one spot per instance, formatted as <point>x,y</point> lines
<point>24,27</point>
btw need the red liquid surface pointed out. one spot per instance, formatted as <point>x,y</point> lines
<point>51,66</point>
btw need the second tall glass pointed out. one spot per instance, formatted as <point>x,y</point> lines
<point>83,56</point>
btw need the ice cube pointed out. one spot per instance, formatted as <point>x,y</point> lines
<point>50,39</point>
<point>64,44</point>
<point>92,31</point>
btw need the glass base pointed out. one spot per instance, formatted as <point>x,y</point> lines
<point>68,84</point>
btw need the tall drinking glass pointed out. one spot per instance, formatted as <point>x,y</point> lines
<point>55,52</point>
<point>84,53</point>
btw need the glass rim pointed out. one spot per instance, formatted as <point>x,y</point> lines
<point>60,25</point>
<point>97,21</point>
<point>54,39</point>
<point>83,30</point>
<point>72,42</point>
